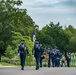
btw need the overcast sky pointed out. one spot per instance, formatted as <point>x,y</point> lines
<point>44,11</point>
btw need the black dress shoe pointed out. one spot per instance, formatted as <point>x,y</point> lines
<point>37,68</point>
<point>22,68</point>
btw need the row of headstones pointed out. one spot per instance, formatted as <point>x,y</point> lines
<point>73,59</point>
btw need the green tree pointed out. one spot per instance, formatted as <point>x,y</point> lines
<point>71,31</point>
<point>9,52</point>
<point>53,35</point>
<point>13,19</point>
<point>7,11</point>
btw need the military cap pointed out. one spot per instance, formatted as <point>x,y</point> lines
<point>36,41</point>
<point>22,41</point>
<point>48,47</point>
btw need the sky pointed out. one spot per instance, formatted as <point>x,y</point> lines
<point>45,11</point>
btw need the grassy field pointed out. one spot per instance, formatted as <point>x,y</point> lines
<point>6,64</point>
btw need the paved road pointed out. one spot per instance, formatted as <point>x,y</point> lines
<point>41,71</point>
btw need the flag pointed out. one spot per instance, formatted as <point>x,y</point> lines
<point>33,36</point>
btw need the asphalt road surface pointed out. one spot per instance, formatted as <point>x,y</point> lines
<point>41,71</point>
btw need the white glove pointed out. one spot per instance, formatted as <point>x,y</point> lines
<point>18,54</point>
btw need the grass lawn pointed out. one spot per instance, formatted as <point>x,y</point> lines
<point>6,64</point>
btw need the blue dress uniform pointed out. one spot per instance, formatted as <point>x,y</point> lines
<point>41,57</point>
<point>68,59</point>
<point>22,51</point>
<point>58,55</point>
<point>37,54</point>
<point>53,57</point>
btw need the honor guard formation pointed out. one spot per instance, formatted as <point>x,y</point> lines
<point>43,57</point>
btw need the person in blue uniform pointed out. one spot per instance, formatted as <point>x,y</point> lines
<point>42,55</point>
<point>53,57</point>
<point>68,59</point>
<point>22,51</point>
<point>58,55</point>
<point>37,53</point>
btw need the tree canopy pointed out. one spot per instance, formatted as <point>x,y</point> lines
<point>13,19</point>
<point>53,35</point>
